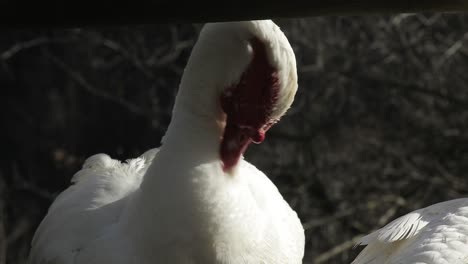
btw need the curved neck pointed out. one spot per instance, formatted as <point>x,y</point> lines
<point>192,138</point>
<point>191,135</point>
<point>189,152</point>
<point>197,119</point>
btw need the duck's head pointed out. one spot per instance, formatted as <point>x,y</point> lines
<point>250,68</point>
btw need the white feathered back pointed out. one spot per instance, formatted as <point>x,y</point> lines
<point>96,198</point>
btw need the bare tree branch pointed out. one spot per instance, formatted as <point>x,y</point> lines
<point>3,238</point>
<point>413,88</point>
<point>78,78</point>
<point>326,220</point>
<point>20,46</point>
<point>336,250</point>
<point>124,52</point>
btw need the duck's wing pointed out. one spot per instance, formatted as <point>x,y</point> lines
<point>414,230</point>
<point>286,230</point>
<point>82,212</point>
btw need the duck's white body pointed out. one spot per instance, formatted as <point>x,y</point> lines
<point>178,204</point>
<point>437,234</point>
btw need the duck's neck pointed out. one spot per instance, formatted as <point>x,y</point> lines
<point>191,139</point>
<point>185,172</point>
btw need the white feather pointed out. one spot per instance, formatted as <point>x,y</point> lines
<point>437,234</point>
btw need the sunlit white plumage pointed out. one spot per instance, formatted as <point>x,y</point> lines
<point>437,234</point>
<point>177,204</point>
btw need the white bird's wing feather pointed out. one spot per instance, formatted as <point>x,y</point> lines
<point>403,235</point>
<point>285,227</point>
<point>401,228</point>
<point>94,201</point>
<point>385,241</point>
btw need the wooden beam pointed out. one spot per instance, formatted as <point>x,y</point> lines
<point>75,13</point>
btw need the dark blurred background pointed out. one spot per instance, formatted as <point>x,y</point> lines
<point>378,127</point>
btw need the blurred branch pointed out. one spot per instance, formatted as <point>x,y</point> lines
<point>78,78</point>
<point>399,202</point>
<point>409,48</point>
<point>20,183</point>
<point>178,47</point>
<point>125,53</point>
<point>327,220</point>
<point>20,46</point>
<point>21,227</point>
<point>159,59</point>
<point>336,250</point>
<point>412,88</point>
<point>452,50</point>
<point>33,189</point>
<point>292,137</point>
<point>455,183</point>
<point>3,239</point>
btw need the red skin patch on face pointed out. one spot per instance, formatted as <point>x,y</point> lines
<point>248,106</point>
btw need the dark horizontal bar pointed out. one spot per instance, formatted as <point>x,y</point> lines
<point>76,13</point>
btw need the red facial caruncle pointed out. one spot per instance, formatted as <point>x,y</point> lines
<point>248,106</point>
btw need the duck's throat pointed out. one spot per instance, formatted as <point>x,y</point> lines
<point>234,143</point>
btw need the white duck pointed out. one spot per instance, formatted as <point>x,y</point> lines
<point>193,200</point>
<point>437,234</point>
